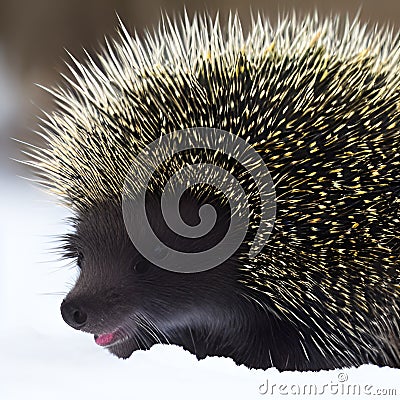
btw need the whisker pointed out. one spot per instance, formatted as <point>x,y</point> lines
<point>53,294</point>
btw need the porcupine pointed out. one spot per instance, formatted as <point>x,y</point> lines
<point>318,99</point>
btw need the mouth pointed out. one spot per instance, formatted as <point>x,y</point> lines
<point>112,338</point>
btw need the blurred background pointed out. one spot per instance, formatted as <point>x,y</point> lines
<point>39,354</point>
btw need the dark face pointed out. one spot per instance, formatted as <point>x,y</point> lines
<point>128,303</point>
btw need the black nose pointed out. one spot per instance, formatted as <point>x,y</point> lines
<point>73,315</point>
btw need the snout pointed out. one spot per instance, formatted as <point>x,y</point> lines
<point>73,314</point>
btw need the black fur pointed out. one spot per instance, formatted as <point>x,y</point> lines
<point>207,313</point>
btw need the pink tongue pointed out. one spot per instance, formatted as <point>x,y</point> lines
<point>104,340</point>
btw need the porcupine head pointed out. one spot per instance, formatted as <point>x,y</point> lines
<point>197,162</point>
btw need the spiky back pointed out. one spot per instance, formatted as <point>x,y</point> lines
<point>303,76</point>
<point>319,99</point>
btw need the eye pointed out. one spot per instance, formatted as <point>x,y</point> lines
<point>141,266</point>
<point>80,259</point>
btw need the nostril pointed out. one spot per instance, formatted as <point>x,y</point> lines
<point>73,314</point>
<point>80,317</point>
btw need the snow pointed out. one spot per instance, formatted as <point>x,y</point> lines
<point>42,358</point>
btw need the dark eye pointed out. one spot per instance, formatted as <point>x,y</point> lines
<point>141,266</point>
<point>80,259</point>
